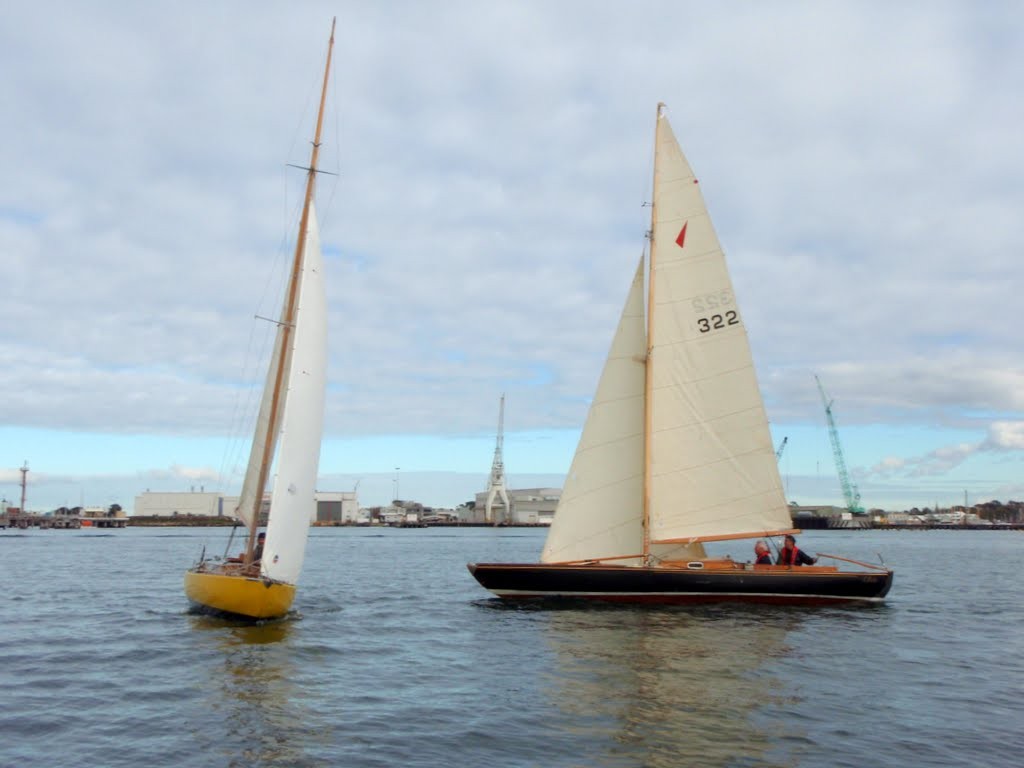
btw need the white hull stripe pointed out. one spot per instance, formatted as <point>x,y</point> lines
<point>785,595</point>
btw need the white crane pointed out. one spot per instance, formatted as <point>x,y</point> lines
<point>496,484</point>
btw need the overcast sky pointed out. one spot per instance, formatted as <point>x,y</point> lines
<point>862,162</point>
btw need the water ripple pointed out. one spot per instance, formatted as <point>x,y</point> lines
<point>394,656</point>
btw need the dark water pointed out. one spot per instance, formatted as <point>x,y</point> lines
<point>397,658</point>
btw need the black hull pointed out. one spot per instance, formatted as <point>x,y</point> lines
<point>795,586</point>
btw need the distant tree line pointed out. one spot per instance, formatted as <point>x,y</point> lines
<point>1011,512</point>
<point>77,511</point>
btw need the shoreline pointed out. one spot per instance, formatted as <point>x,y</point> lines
<point>227,523</point>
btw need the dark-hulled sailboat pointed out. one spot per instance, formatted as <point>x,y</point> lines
<point>676,449</point>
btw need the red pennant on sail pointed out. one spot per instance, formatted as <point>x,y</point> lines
<point>682,235</point>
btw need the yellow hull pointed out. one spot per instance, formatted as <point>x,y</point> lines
<point>253,598</point>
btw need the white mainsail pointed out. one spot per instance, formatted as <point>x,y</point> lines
<point>713,473</point>
<point>301,424</point>
<point>600,513</point>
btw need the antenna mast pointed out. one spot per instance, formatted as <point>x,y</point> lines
<point>25,475</point>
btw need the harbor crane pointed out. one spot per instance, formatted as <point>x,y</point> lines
<point>782,447</point>
<point>850,492</point>
<point>496,483</point>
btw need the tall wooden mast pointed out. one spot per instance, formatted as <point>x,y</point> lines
<point>287,323</point>
<point>648,378</point>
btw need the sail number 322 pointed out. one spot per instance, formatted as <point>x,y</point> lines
<point>709,302</point>
<point>705,324</point>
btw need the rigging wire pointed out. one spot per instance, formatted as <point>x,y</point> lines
<point>258,347</point>
<point>246,406</point>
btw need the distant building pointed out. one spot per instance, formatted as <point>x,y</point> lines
<point>102,512</point>
<point>797,511</point>
<point>902,518</point>
<point>331,506</point>
<point>529,506</point>
<point>159,504</point>
<point>230,503</point>
<point>337,507</point>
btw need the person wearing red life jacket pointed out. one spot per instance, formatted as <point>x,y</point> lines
<point>761,553</point>
<point>791,555</point>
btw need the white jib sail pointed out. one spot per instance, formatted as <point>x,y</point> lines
<point>293,499</point>
<point>600,512</point>
<point>248,506</point>
<point>713,468</point>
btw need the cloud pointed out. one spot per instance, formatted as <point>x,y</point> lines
<point>934,463</point>
<point>862,165</point>
<point>961,387</point>
<point>1003,436</point>
<point>10,477</point>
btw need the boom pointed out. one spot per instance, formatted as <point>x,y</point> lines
<point>850,492</point>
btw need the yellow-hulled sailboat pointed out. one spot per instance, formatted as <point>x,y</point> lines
<point>290,425</point>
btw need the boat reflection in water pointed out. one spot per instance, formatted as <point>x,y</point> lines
<point>253,712</point>
<point>667,688</point>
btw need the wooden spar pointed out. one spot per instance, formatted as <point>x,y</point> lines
<point>855,562</point>
<point>288,315</point>
<point>729,537</point>
<point>648,379</point>
<point>595,560</point>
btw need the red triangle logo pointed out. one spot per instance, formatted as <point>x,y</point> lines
<point>682,235</point>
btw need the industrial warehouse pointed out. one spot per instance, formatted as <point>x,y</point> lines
<point>530,506</point>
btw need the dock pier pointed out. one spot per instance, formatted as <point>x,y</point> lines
<point>27,520</point>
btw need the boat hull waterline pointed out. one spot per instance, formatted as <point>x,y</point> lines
<point>249,597</point>
<point>618,583</point>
